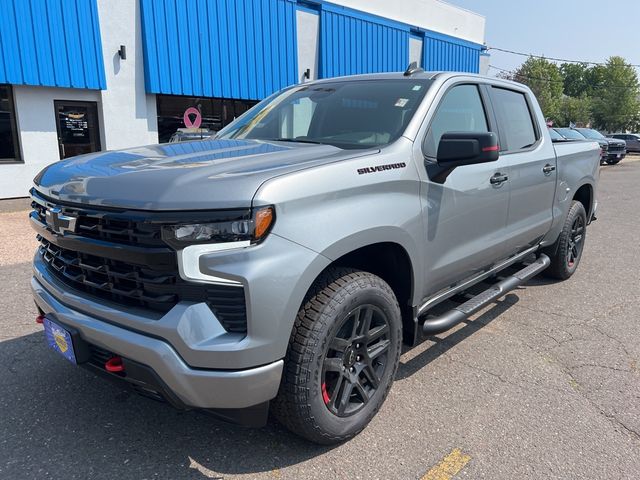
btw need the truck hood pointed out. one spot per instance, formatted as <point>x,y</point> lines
<point>615,141</point>
<point>196,175</point>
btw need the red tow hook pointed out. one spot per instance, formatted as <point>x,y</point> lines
<point>40,319</point>
<point>114,365</point>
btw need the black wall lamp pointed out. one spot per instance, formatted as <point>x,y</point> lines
<point>123,52</point>
<point>307,73</point>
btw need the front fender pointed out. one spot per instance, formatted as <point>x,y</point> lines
<point>376,235</point>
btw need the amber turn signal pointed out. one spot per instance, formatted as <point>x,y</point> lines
<point>263,221</point>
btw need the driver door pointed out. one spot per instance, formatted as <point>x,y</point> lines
<point>465,211</point>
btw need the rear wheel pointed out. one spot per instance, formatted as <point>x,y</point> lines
<point>566,253</point>
<point>342,357</point>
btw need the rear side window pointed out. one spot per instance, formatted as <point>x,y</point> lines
<point>515,120</point>
<point>460,110</point>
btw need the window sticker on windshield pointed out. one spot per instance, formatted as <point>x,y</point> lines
<point>402,102</point>
<point>416,88</point>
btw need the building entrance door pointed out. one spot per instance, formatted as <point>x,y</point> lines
<point>78,128</point>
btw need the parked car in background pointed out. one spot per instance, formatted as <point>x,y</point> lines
<point>571,134</point>
<point>616,150</point>
<point>188,134</point>
<point>574,135</point>
<point>556,137</point>
<point>631,139</point>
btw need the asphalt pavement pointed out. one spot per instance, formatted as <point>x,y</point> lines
<point>545,384</point>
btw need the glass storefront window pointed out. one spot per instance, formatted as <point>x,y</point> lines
<point>9,151</point>
<point>216,112</point>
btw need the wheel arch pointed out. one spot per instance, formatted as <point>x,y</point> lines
<point>584,195</point>
<point>391,259</point>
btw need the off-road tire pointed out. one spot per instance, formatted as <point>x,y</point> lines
<point>560,267</point>
<point>300,405</point>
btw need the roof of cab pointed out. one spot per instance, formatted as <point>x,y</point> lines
<point>381,76</point>
<point>440,75</point>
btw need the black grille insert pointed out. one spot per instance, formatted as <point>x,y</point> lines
<point>99,356</point>
<point>138,286</point>
<point>110,226</point>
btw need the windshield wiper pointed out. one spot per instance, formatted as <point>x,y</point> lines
<point>295,140</point>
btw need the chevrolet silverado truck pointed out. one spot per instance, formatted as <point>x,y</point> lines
<point>280,265</point>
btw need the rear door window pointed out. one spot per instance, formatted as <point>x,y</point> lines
<point>460,110</point>
<point>514,118</point>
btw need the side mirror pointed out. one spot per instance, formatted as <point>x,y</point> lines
<point>467,148</point>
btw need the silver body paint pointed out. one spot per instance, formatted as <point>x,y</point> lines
<point>324,209</point>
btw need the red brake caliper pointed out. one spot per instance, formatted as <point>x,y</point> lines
<point>325,395</point>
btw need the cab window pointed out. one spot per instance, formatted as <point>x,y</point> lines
<point>516,123</point>
<point>460,110</point>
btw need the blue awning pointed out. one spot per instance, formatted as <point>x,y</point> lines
<point>244,49</point>
<point>443,52</point>
<point>354,42</point>
<point>54,43</point>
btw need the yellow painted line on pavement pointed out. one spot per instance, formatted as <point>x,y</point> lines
<point>207,473</point>
<point>449,467</point>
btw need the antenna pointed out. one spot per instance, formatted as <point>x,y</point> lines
<point>412,68</point>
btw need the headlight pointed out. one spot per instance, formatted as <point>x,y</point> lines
<point>251,230</point>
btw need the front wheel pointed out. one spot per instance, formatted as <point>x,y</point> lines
<point>343,354</point>
<point>566,253</point>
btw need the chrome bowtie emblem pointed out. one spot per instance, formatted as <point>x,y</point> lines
<point>60,223</point>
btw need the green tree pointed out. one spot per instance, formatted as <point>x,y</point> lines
<point>576,110</point>
<point>546,82</point>
<point>634,126</point>
<point>616,97</point>
<point>577,79</point>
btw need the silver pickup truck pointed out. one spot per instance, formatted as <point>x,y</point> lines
<point>280,265</point>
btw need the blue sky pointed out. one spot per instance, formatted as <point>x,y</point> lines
<point>589,30</point>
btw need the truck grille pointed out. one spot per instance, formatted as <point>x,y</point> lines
<point>111,279</point>
<point>111,228</point>
<point>133,283</point>
<point>616,148</point>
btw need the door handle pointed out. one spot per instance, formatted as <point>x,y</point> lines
<point>498,179</point>
<point>548,168</point>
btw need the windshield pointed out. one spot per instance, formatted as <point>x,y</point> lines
<point>346,114</point>
<point>570,133</point>
<point>590,133</point>
<point>555,135</point>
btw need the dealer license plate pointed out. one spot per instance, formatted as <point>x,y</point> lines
<point>59,339</point>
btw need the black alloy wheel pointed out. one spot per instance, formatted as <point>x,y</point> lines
<point>343,353</point>
<point>356,360</point>
<point>574,250</point>
<point>566,252</point>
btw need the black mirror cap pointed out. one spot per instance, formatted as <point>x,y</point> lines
<point>467,148</point>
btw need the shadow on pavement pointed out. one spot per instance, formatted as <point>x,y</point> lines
<point>60,421</point>
<point>442,345</point>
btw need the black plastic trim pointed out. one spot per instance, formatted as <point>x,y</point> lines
<point>144,381</point>
<point>153,258</point>
<point>451,318</point>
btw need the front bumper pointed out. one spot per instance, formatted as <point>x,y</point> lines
<point>192,387</point>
